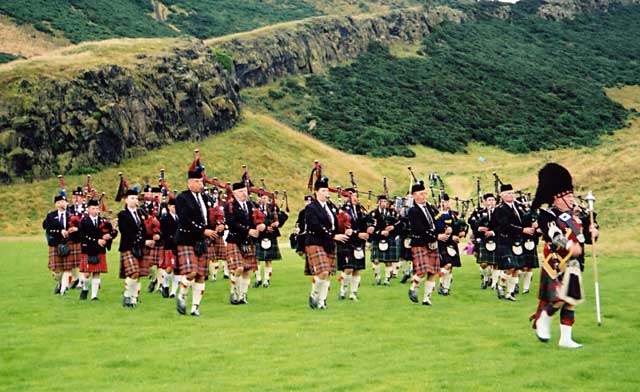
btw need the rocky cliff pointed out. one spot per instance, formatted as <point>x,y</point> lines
<point>568,9</point>
<point>313,45</point>
<point>101,116</point>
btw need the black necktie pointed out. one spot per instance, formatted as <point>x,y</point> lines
<point>136,217</point>
<point>515,211</point>
<point>62,222</point>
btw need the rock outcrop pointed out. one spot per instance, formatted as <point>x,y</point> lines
<point>103,116</point>
<point>312,45</point>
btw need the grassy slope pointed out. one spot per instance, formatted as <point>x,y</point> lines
<point>284,158</point>
<point>276,343</point>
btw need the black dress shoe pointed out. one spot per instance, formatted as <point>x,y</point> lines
<point>516,290</point>
<point>405,278</point>
<point>441,290</point>
<point>74,284</point>
<point>257,284</point>
<point>312,303</point>
<point>500,291</point>
<point>152,286</point>
<point>412,296</point>
<point>426,303</point>
<point>233,300</point>
<point>95,299</point>
<point>226,276</point>
<point>126,302</point>
<point>172,295</point>
<point>83,295</point>
<point>165,292</point>
<point>56,291</point>
<point>484,285</point>
<point>525,291</point>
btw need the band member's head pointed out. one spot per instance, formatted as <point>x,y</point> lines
<point>77,197</point>
<point>156,194</point>
<point>321,189</point>
<point>171,205</point>
<point>419,193</point>
<point>446,202</point>
<point>506,193</point>
<point>195,185</point>
<point>60,202</point>
<point>93,207</point>
<point>307,200</point>
<point>240,192</point>
<point>489,200</point>
<point>353,195</point>
<point>264,200</point>
<point>555,187</point>
<point>131,199</point>
<point>383,202</point>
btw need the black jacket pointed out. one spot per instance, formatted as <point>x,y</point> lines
<point>319,229</point>
<point>92,233</point>
<point>422,233</point>
<point>239,223</point>
<point>53,229</point>
<point>169,228</point>
<point>380,221</point>
<point>191,223</point>
<point>506,224</point>
<point>132,234</point>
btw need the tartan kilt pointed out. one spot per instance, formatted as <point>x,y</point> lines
<point>57,262</point>
<point>129,265</point>
<point>506,258</point>
<point>100,267</point>
<point>346,258</point>
<point>549,287</point>
<point>237,259</point>
<point>75,250</point>
<point>169,259</point>
<point>188,262</point>
<point>485,256</point>
<point>529,259</point>
<point>319,260</point>
<point>153,256</point>
<point>425,260</point>
<point>272,253</point>
<point>405,253</point>
<point>219,252</point>
<point>391,255</point>
<point>445,258</point>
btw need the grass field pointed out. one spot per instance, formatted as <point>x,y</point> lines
<point>468,341</point>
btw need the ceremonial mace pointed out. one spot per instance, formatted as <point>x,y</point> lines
<point>591,200</point>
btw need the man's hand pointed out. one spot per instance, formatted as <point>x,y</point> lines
<point>341,237</point>
<point>384,233</point>
<point>594,231</point>
<point>443,237</point>
<point>102,242</point>
<point>149,243</point>
<point>275,224</point>
<point>348,232</point>
<point>261,227</point>
<point>363,236</point>
<point>528,230</point>
<point>210,233</point>
<point>156,237</point>
<point>489,233</point>
<point>576,250</point>
<point>106,237</point>
<point>370,229</point>
<point>254,233</point>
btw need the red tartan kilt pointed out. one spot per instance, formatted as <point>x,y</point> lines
<point>153,256</point>
<point>319,260</point>
<point>129,265</point>
<point>425,260</point>
<point>188,262</point>
<point>100,267</point>
<point>168,260</point>
<point>237,260</point>
<point>75,251</point>
<point>219,250</point>
<point>59,263</point>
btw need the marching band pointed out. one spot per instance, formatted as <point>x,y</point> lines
<point>178,240</point>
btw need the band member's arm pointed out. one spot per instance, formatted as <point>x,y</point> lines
<point>419,227</point>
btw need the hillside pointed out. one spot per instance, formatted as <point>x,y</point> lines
<point>51,24</point>
<point>284,158</point>
<point>520,83</point>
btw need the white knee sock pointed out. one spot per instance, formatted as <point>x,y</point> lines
<point>355,284</point>
<point>67,277</point>
<point>176,284</point>
<point>197,291</point>
<point>527,280</point>
<point>95,286</point>
<point>415,282</point>
<point>387,272</point>
<point>259,273</point>
<point>376,270</point>
<point>268,271</point>
<point>323,289</point>
<point>495,275</point>
<point>428,289</point>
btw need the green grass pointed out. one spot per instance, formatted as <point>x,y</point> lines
<point>469,341</point>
